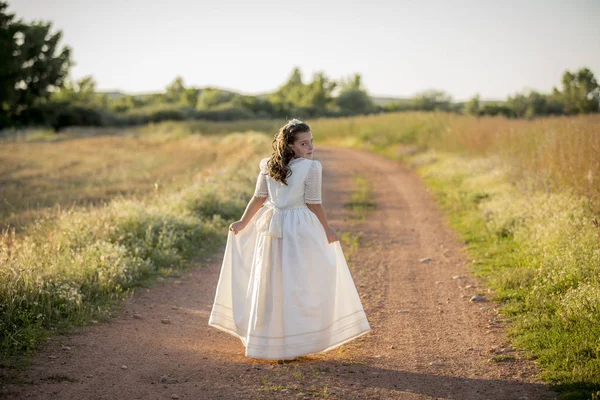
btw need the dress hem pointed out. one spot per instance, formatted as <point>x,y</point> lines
<point>331,347</point>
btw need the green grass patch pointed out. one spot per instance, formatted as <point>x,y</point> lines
<point>362,198</point>
<point>540,254</point>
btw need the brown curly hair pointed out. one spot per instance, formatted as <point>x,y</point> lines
<point>282,150</point>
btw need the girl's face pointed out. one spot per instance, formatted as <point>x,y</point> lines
<point>303,146</point>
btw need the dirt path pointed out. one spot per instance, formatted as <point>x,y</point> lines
<point>428,339</point>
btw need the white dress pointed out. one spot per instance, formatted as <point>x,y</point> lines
<point>283,290</point>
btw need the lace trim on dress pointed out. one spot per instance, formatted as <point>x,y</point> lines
<point>312,184</point>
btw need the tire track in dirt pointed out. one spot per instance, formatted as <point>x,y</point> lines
<point>428,340</point>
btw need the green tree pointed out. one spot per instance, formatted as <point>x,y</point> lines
<point>175,90</point>
<point>318,93</point>
<point>81,92</point>
<point>212,97</point>
<point>190,97</point>
<point>473,106</point>
<point>31,63</point>
<point>432,100</point>
<point>289,94</point>
<point>9,70</point>
<point>353,97</point>
<point>581,93</point>
<point>296,97</point>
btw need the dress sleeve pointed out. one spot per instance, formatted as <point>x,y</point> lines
<point>261,181</point>
<point>312,184</point>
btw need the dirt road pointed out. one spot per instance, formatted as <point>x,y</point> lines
<point>428,340</point>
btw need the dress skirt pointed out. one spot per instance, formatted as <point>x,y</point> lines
<point>283,290</point>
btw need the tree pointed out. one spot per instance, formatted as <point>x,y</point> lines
<point>211,97</point>
<point>318,93</point>
<point>432,100</point>
<point>175,90</point>
<point>353,97</point>
<point>31,64</point>
<point>81,92</point>
<point>295,97</point>
<point>8,66</point>
<point>581,93</point>
<point>473,106</point>
<point>190,97</point>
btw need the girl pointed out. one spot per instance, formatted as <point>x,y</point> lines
<point>284,288</point>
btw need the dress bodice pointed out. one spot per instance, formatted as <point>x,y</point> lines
<point>303,185</point>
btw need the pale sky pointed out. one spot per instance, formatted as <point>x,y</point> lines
<point>400,47</point>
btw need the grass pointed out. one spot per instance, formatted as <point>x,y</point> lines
<point>296,380</point>
<point>42,176</point>
<point>551,154</point>
<point>540,254</point>
<point>361,201</point>
<point>76,267</point>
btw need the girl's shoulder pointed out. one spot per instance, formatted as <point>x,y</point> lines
<point>264,168</point>
<point>316,165</point>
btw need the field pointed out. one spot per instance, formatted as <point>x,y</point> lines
<point>96,213</point>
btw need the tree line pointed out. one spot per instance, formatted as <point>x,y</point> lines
<point>35,89</point>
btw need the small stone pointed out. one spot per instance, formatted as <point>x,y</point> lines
<point>177,282</point>
<point>53,357</point>
<point>438,282</point>
<point>93,321</point>
<point>436,363</point>
<point>457,277</point>
<point>378,356</point>
<point>174,308</point>
<point>483,308</point>
<point>392,347</point>
<point>469,286</point>
<point>495,349</point>
<point>89,376</point>
<point>168,379</point>
<point>403,311</point>
<point>174,396</point>
<point>123,366</point>
<point>137,316</point>
<point>165,321</point>
<point>425,260</point>
<point>62,346</point>
<point>477,298</point>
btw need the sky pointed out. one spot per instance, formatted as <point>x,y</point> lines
<point>400,47</point>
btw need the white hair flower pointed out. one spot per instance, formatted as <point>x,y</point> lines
<point>294,122</point>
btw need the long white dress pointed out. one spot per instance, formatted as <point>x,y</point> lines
<point>283,290</point>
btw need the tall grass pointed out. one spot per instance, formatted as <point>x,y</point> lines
<point>42,174</point>
<point>69,269</point>
<point>555,154</point>
<point>540,253</point>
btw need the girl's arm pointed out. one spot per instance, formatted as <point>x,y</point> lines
<point>321,215</point>
<point>252,208</point>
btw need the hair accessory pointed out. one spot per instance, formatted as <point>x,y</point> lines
<point>294,122</point>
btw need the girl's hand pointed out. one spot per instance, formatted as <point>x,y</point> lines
<point>331,235</point>
<point>236,227</point>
